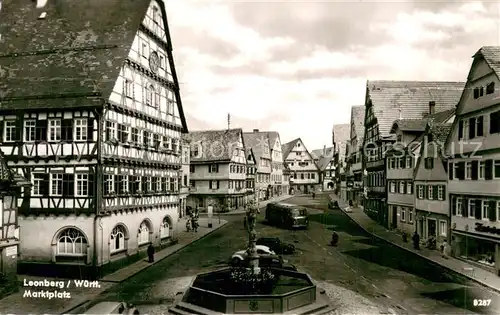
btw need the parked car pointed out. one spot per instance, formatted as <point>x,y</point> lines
<point>112,308</point>
<point>333,204</point>
<point>275,244</point>
<point>267,258</point>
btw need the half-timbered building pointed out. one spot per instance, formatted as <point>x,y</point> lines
<point>91,113</point>
<point>10,187</point>
<point>304,173</point>
<point>218,169</point>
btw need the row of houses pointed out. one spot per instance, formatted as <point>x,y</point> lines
<point>97,161</point>
<point>425,157</point>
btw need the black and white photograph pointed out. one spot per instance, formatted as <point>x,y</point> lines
<point>249,157</point>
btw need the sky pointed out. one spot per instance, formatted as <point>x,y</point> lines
<point>297,67</point>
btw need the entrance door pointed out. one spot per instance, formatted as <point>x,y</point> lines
<point>431,227</point>
<point>394,217</point>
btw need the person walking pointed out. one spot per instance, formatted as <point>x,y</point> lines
<point>416,240</point>
<point>151,253</point>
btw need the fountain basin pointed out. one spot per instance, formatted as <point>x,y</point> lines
<point>290,292</point>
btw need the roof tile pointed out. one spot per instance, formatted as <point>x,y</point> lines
<point>216,145</point>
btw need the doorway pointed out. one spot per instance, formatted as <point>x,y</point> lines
<point>431,227</point>
<point>394,223</point>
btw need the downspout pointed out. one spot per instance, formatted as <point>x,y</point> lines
<point>98,191</point>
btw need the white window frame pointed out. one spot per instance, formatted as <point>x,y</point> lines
<point>29,130</point>
<point>466,129</point>
<point>165,229</point>
<point>112,129</point>
<point>118,232</point>
<point>55,126</point>
<point>128,88</point>
<point>420,192</point>
<point>468,170</point>
<point>81,184</point>
<point>443,232</point>
<point>408,162</point>
<point>109,180</point>
<point>149,90</point>
<point>157,99</point>
<point>495,175</point>
<point>459,205</point>
<point>144,49</point>
<point>440,192</point>
<point>409,188</point>
<point>9,131</point>
<point>410,215</point>
<point>401,187</point>
<point>430,190</point>
<point>402,214</point>
<point>455,169</point>
<point>485,210</point>
<point>80,125</point>
<point>162,61</point>
<point>144,234</point>
<point>54,177</point>
<point>470,206</point>
<point>481,169</point>
<point>125,183</point>
<point>393,187</point>
<point>36,184</point>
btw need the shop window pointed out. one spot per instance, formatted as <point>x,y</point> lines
<point>443,229</point>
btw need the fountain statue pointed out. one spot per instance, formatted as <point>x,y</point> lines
<point>250,289</point>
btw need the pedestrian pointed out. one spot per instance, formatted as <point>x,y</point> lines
<point>151,253</point>
<point>188,225</point>
<point>416,240</point>
<point>314,195</point>
<point>335,239</point>
<point>446,250</point>
<point>245,223</point>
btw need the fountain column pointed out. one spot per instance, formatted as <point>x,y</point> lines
<point>252,211</point>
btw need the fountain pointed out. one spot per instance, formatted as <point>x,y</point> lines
<point>252,289</point>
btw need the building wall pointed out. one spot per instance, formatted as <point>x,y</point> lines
<point>39,234</point>
<point>9,244</point>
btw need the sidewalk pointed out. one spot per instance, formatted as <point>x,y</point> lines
<point>17,304</point>
<point>242,210</point>
<point>463,268</point>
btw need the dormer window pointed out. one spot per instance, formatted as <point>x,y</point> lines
<point>490,88</point>
<point>476,93</point>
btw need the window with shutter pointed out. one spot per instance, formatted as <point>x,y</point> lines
<point>495,122</point>
<point>454,206</point>
<point>460,130</point>
<point>68,185</point>
<point>488,169</point>
<point>474,170</point>
<point>41,130</point>
<point>67,130</point>
<point>450,171</point>
<point>210,185</point>
<point>472,128</point>
<point>492,215</point>
<point>426,192</point>
<point>90,129</point>
<point>444,192</point>
<point>480,126</point>
<point>218,184</point>
<point>478,209</point>
<point>461,170</point>
<point>465,206</point>
<point>45,185</point>
<point>435,192</point>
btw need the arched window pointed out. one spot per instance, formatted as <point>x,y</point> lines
<point>71,242</point>
<point>144,233</point>
<point>165,228</point>
<point>117,243</point>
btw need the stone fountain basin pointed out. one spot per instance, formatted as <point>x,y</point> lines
<point>212,291</point>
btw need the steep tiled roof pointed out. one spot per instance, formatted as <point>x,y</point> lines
<point>273,136</point>
<point>420,124</point>
<point>256,141</point>
<point>440,131</point>
<point>286,148</point>
<point>72,57</point>
<point>394,100</point>
<point>324,161</point>
<point>358,118</point>
<point>216,145</point>
<point>491,55</point>
<point>318,153</point>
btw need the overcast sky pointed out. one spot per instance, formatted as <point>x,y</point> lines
<point>297,67</point>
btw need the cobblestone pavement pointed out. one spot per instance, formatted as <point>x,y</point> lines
<point>363,275</point>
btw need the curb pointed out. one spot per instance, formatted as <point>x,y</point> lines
<point>497,290</point>
<point>148,266</point>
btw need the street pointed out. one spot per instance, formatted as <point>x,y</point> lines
<point>395,279</point>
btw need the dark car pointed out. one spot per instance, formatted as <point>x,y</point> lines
<point>276,245</point>
<point>333,204</point>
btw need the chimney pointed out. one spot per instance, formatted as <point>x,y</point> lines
<point>324,150</point>
<point>432,107</point>
<point>256,130</point>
